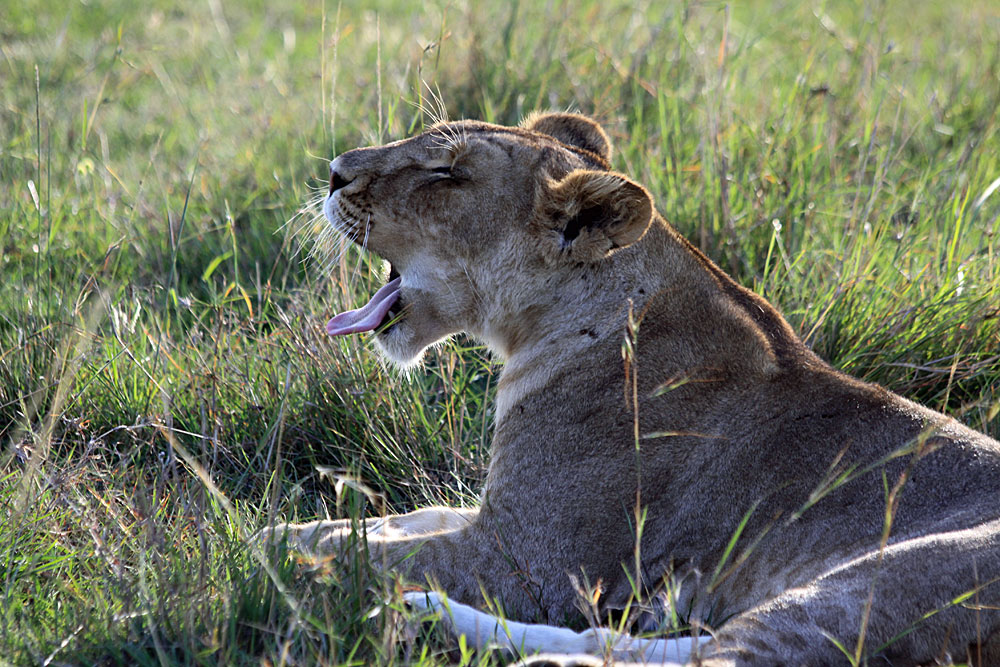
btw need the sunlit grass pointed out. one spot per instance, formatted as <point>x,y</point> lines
<point>842,161</point>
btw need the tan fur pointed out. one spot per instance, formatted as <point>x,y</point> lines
<point>534,246</point>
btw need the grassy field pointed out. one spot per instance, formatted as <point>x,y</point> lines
<point>166,386</point>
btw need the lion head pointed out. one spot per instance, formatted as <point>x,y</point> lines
<point>486,229</point>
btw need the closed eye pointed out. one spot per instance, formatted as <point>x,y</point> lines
<point>442,170</point>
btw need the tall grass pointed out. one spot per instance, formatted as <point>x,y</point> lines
<point>166,388</point>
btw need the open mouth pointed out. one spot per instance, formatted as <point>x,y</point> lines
<point>381,312</point>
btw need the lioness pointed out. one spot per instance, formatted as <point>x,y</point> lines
<point>802,512</point>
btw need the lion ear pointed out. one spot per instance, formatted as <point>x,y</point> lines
<point>572,129</point>
<point>592,213</point>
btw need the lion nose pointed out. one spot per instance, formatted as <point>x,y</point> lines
<point>338,179</point>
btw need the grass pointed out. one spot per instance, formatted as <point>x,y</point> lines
<point>166,388</point>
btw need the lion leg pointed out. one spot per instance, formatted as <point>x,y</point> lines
<point>560,646</point>
<point>325,535</point>
<point>931,598</point>
<point>448,549</point>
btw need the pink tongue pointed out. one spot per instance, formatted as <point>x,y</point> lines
<point>368,316</point>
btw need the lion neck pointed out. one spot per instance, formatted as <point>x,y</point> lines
<point>695,316</point>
